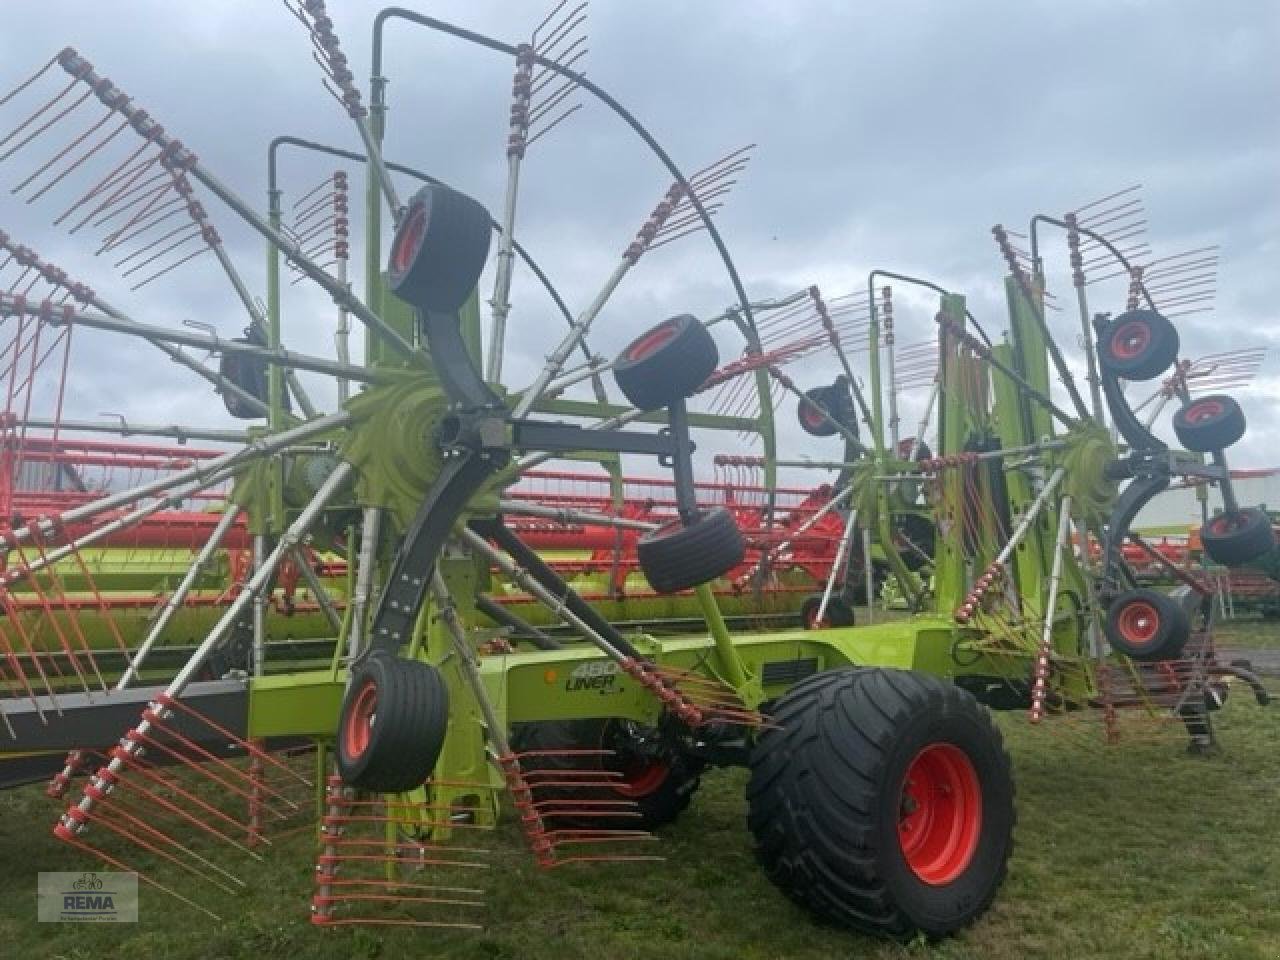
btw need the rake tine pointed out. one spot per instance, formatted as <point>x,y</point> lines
<point>540,112</point>
<point>549,17</point>
<point>779,316</point>
<point>156,242</point>
<point>151,213</point>
<point>570,22</point>
<point>706,194</point>
<point>40,111</point>
<point>733,156</point>
<point>1183,284</point>
<point>1212,248</point>
<point>42,128</point>
<point>74,165</point>
<point>120,172</point>
<point>146,211</point>
<point>167,250</point>
<point>546,76</point>
<point>567,57</point>
<point>28,82</point>
<point>551,125</point>
<point>1129,253</point>
<point>135,194</point>
<point>1097,215</point>
<point>677,224</point>
<point>663,241</point>
<point>1116,237</point>
<point>319,207</point>
<point>1119,214</point>
<point>160,214</point>
<point>1109,197</point>
<point>325,184</point>
<point>170,268</point>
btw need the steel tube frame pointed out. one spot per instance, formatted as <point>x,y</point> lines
<point>130,519</point>
<point>126,429</point>
<point>253,451</point>
<point>526,582</point>
<point>1040,685</point>
<point>370,529</point>
<point>173,603</point>
<point>577,331</point>
<point>843,547</point>
<point>321,595</point>
<point>568,516</point>
<point>60,315</point>
<point>256,583</point>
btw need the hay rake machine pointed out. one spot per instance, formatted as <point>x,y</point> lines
<point>880,795</point>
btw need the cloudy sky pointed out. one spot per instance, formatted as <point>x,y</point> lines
<point>889,135</point>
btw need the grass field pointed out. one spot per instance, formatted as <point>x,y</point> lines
<point>1257,634</point>
<point>1137,852</point>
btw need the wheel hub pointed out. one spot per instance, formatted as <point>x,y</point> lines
<point>641,776</point>
<point>1203,410</point>
<point>939,814</point>
<point>1139,622</point>
<point>1130,340</point>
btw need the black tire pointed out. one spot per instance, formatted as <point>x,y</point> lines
<point>250,375</point>
<point>922,535</point>
<point>1232,539</point>
<point>827,802</point>
<point>675,557</point>
<point>659,779</point>
<point>247,372</point>
<point>666,363</point>
<point>922,449</point>
<point>839,613</point>
<point>1209,423</point>
<point>837,404</point>
<point>439,249</point>
<point>1147,625</point>
<point>392,724</point>
<point>234,652</point>
<point>855,591</point>
<point>1138,345</point>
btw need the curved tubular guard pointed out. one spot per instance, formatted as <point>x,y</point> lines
<point>1135,496</point>
<point>351,155</point>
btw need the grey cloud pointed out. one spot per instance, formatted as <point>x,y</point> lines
<point>890,134</point>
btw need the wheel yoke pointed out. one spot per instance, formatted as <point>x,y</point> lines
<point>1150,465</point>
<point>479,436</point>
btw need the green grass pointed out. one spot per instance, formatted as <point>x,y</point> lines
<point>1250,632</point>
<point>1137,852</point>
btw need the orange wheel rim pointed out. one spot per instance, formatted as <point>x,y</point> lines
<point>1138,622</point>
<point>651,341</point>
<point>358,730</point>
<point>1130,339</point>
<point>940,814</point>
<point>410,239</point>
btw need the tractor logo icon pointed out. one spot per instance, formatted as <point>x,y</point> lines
<point>90,881</point>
